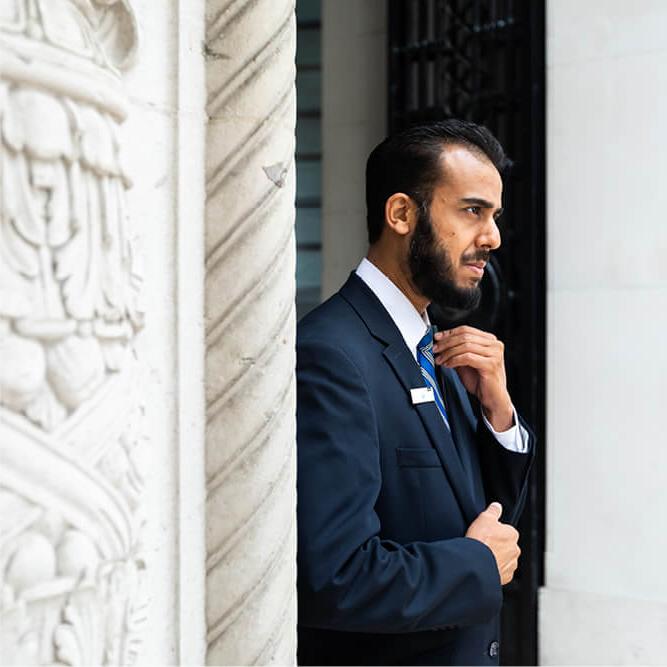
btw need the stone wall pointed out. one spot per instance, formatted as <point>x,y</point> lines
<point>605,599</point>
<point>354,120</point>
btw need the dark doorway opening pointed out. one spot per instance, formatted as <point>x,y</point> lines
<point>483,60</point>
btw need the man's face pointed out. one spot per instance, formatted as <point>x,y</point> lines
<point>452,240</point>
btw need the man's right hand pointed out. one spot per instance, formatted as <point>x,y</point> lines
<point>501,538</point>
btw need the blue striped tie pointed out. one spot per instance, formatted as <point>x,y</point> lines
<point>427,366</point>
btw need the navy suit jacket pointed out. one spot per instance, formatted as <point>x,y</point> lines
<point>385,496</point>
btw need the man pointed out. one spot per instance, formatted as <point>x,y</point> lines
<point>411,456</point>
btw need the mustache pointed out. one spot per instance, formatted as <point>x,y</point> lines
<point>481,255</point>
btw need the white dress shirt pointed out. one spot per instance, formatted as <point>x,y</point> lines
<point>413,326</point>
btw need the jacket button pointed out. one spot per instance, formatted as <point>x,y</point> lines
<point>494,648</point>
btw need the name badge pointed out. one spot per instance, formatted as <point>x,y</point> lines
<point>422,395</point>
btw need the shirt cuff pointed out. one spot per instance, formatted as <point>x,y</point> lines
<point>515,439</point>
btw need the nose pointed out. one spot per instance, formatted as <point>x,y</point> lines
<point>489,236</point>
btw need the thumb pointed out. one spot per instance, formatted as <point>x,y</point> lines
<point>495,510</point>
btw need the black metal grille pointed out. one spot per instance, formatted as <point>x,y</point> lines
<point>483,60</point>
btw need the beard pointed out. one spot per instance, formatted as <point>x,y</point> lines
<point>432,270</point>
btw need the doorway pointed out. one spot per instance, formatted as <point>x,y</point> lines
<point>484,61</point>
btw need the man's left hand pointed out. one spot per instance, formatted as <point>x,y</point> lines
<point>478,358</point>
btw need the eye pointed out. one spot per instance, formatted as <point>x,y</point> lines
<point>475,210</point>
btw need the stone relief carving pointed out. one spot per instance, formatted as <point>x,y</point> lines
<point>70,289</point>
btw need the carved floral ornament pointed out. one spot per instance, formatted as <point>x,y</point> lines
<point>70,419</point>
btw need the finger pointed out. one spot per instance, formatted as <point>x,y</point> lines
<point>477,361</point>
<point>463,329</point>
<point>466,328</point>
<point>490,351</point>
<point>461,339</point>
<point>462,332</point>
<point>495,509</point>
<point>448,342</point>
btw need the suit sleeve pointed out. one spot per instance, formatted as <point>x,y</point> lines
<point>349,578</point>
<point>504,472</point>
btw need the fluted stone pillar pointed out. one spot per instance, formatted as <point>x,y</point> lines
<point>250,329</point>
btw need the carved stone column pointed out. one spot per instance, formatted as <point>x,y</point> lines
<point>250,265</point>
<point>70,419</point>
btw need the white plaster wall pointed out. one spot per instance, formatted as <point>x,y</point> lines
<point>605,599</point>
<point>164,148</point>
<point>354,110</point>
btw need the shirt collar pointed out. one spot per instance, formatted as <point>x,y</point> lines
<point>409,321</point>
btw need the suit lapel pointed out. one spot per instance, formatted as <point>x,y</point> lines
<point>461,432</point>
<point>382,327</point>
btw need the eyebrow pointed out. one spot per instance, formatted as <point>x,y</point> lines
<point>482,203</point>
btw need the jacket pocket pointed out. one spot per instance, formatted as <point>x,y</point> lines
<point>412,457</point>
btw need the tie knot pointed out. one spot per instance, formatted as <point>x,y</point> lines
<point>426,343</point>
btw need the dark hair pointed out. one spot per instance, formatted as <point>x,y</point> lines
<point>409,162</point>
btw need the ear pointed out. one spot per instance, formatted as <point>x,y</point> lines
<point>400,213</point>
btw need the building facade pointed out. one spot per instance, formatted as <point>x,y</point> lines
<point>147,318</point>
